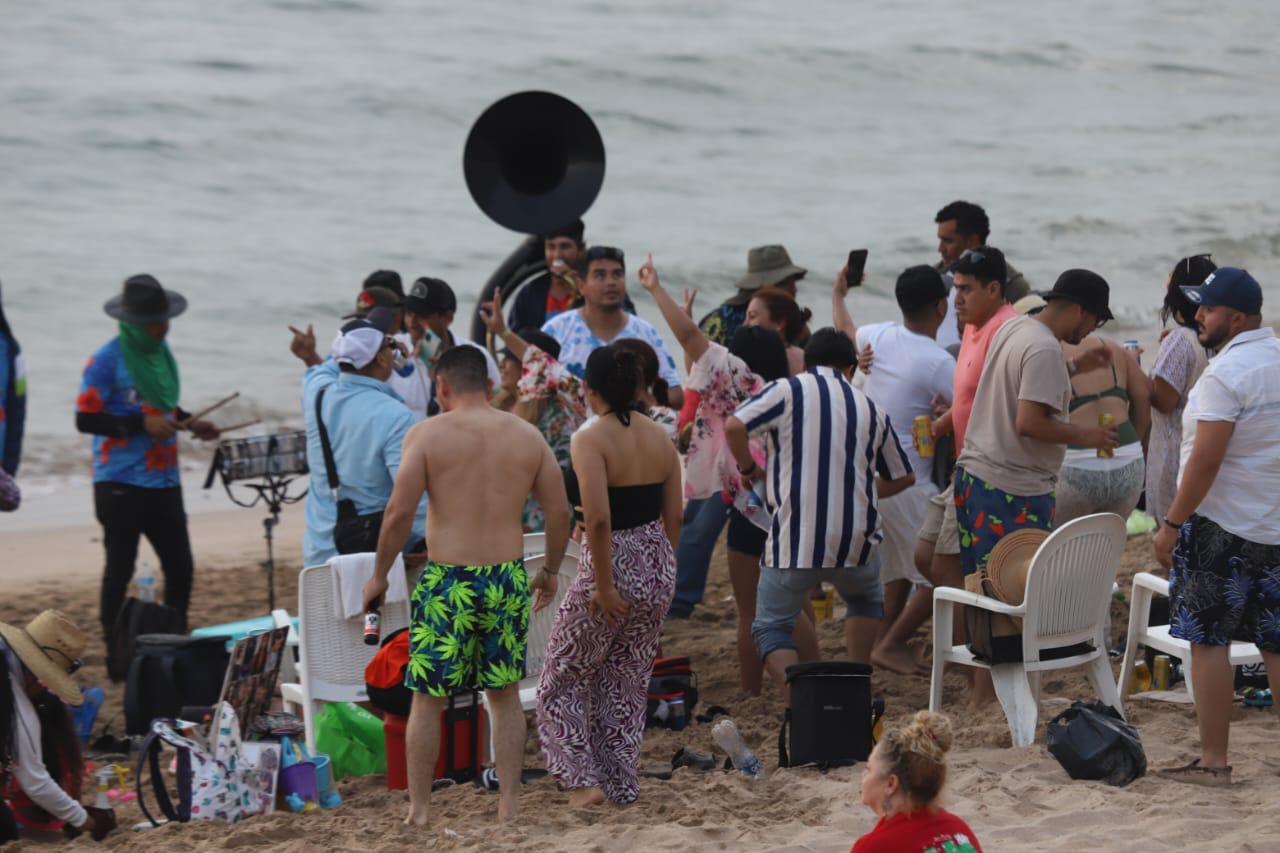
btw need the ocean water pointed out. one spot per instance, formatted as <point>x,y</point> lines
<point>263,157</point>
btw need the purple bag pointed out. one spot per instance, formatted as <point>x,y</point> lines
<point>10,494</point>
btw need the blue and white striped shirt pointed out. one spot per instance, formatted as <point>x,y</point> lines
<point>825,442</point>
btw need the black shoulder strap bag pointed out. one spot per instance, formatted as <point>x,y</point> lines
<point>354,533</point>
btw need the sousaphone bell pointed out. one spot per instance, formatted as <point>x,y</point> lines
<point>534,161</point>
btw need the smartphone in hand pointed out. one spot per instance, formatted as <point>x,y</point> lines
<point>856,266</point>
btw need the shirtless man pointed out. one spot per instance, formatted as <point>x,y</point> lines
<point>469,613</point>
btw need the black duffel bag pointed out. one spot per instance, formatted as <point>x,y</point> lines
<point>169,672</point>
<point>1092,741</point>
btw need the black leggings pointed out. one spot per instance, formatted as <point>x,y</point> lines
<point>127,512</point>
<point>8,826</point>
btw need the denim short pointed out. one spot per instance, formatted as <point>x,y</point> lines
<point>782,592</point>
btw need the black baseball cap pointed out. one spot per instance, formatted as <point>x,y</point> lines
<point>375,297</point>
<point>431,296</point>
<point>1230,287</point>
<point>1085,288</point>
<point>918,287</point>
<point>390,279</point>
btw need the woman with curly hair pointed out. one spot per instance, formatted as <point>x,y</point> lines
<point>902,784</point>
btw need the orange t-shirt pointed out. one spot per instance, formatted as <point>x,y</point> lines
<point>973,352</point>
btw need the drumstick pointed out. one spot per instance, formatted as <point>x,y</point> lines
<point>198,415</point>
<point>253,422</point>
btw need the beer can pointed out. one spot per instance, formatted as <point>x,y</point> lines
<point>1140,682</point>
<point>1160,673</point>
<point>372,628</point>
<point>1106,420</point>
<point>1131,345</point>
<point>824,605</point>
<point>922,433</point>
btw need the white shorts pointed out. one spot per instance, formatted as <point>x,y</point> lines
<point>900,519</point>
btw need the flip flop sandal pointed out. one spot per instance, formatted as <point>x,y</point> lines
<point>488,778</point>
<point>1194,774</point>
<point>686,757</point>
<point>711,713</point>
<point>656,771</point>
<point>1257,697</point>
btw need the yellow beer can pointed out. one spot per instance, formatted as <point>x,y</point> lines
<point>1106,420</point>
<point>1160,672</point>
<point>922,433</point>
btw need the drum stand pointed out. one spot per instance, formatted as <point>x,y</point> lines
<point>273,490</point>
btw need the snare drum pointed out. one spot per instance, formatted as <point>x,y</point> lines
<point>260,455</point>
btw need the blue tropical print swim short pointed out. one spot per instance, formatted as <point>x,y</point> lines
<point>1224,588</point>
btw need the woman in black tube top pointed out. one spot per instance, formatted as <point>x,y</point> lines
<point>591,695</point>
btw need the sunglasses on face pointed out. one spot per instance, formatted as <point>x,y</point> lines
<point>972,256</point>
<point>73,663</point>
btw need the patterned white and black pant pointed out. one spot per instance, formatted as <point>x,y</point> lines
<point>591,695</point>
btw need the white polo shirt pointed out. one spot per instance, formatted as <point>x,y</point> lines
<point>1241,385</point>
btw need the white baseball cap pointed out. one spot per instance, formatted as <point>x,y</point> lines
<point>358,343</point>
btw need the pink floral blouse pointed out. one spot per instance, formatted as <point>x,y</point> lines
<point>725,382</point>
<point>544,378</point>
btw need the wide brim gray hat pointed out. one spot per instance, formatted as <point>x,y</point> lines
<point>768,265</point>
<point>144,300</point>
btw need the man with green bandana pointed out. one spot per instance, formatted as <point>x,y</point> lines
<point>129,403</point>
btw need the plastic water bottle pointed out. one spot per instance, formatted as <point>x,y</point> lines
<point>676,710</point>
<point>146,583</point>
<point>726,734</point>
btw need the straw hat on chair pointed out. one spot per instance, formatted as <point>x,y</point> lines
<point>50,646</point>
<point>1009,561</point>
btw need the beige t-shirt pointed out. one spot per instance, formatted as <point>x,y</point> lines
<point>1024,362</point>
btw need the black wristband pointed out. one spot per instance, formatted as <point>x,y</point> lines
<point>747,472</point>
<point>1171,524</point>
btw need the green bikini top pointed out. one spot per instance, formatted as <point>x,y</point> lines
<point>1127,434</point>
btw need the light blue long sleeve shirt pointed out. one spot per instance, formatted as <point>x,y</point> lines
<point>367,423</point>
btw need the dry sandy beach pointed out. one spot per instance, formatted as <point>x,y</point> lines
<point>1014,799</point>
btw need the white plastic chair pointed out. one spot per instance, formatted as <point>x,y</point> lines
<point>1145,585</point>
<point>280,618</point>
<point>332,654</point>
<point>536,543</point>
<point>1068,597</point>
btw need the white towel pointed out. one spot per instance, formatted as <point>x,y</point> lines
<point>352,571</point>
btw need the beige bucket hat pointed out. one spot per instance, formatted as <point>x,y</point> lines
<point>766,266</point>
<point>51,647</point>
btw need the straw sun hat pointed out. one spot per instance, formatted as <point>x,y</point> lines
<point>50,646</point>
<point>1007,567</point>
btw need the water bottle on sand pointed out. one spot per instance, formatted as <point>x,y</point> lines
<point>726,734</point>
<point>146,583</point>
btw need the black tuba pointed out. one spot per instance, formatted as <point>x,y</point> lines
<point>534,161</point>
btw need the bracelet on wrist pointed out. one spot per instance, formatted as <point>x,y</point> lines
<point>1172,524</point>
<point>749,471</point>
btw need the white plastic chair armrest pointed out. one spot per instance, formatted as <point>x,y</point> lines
<point>291,693</point>
<point>1156,584</point>
<point>960,596</point>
